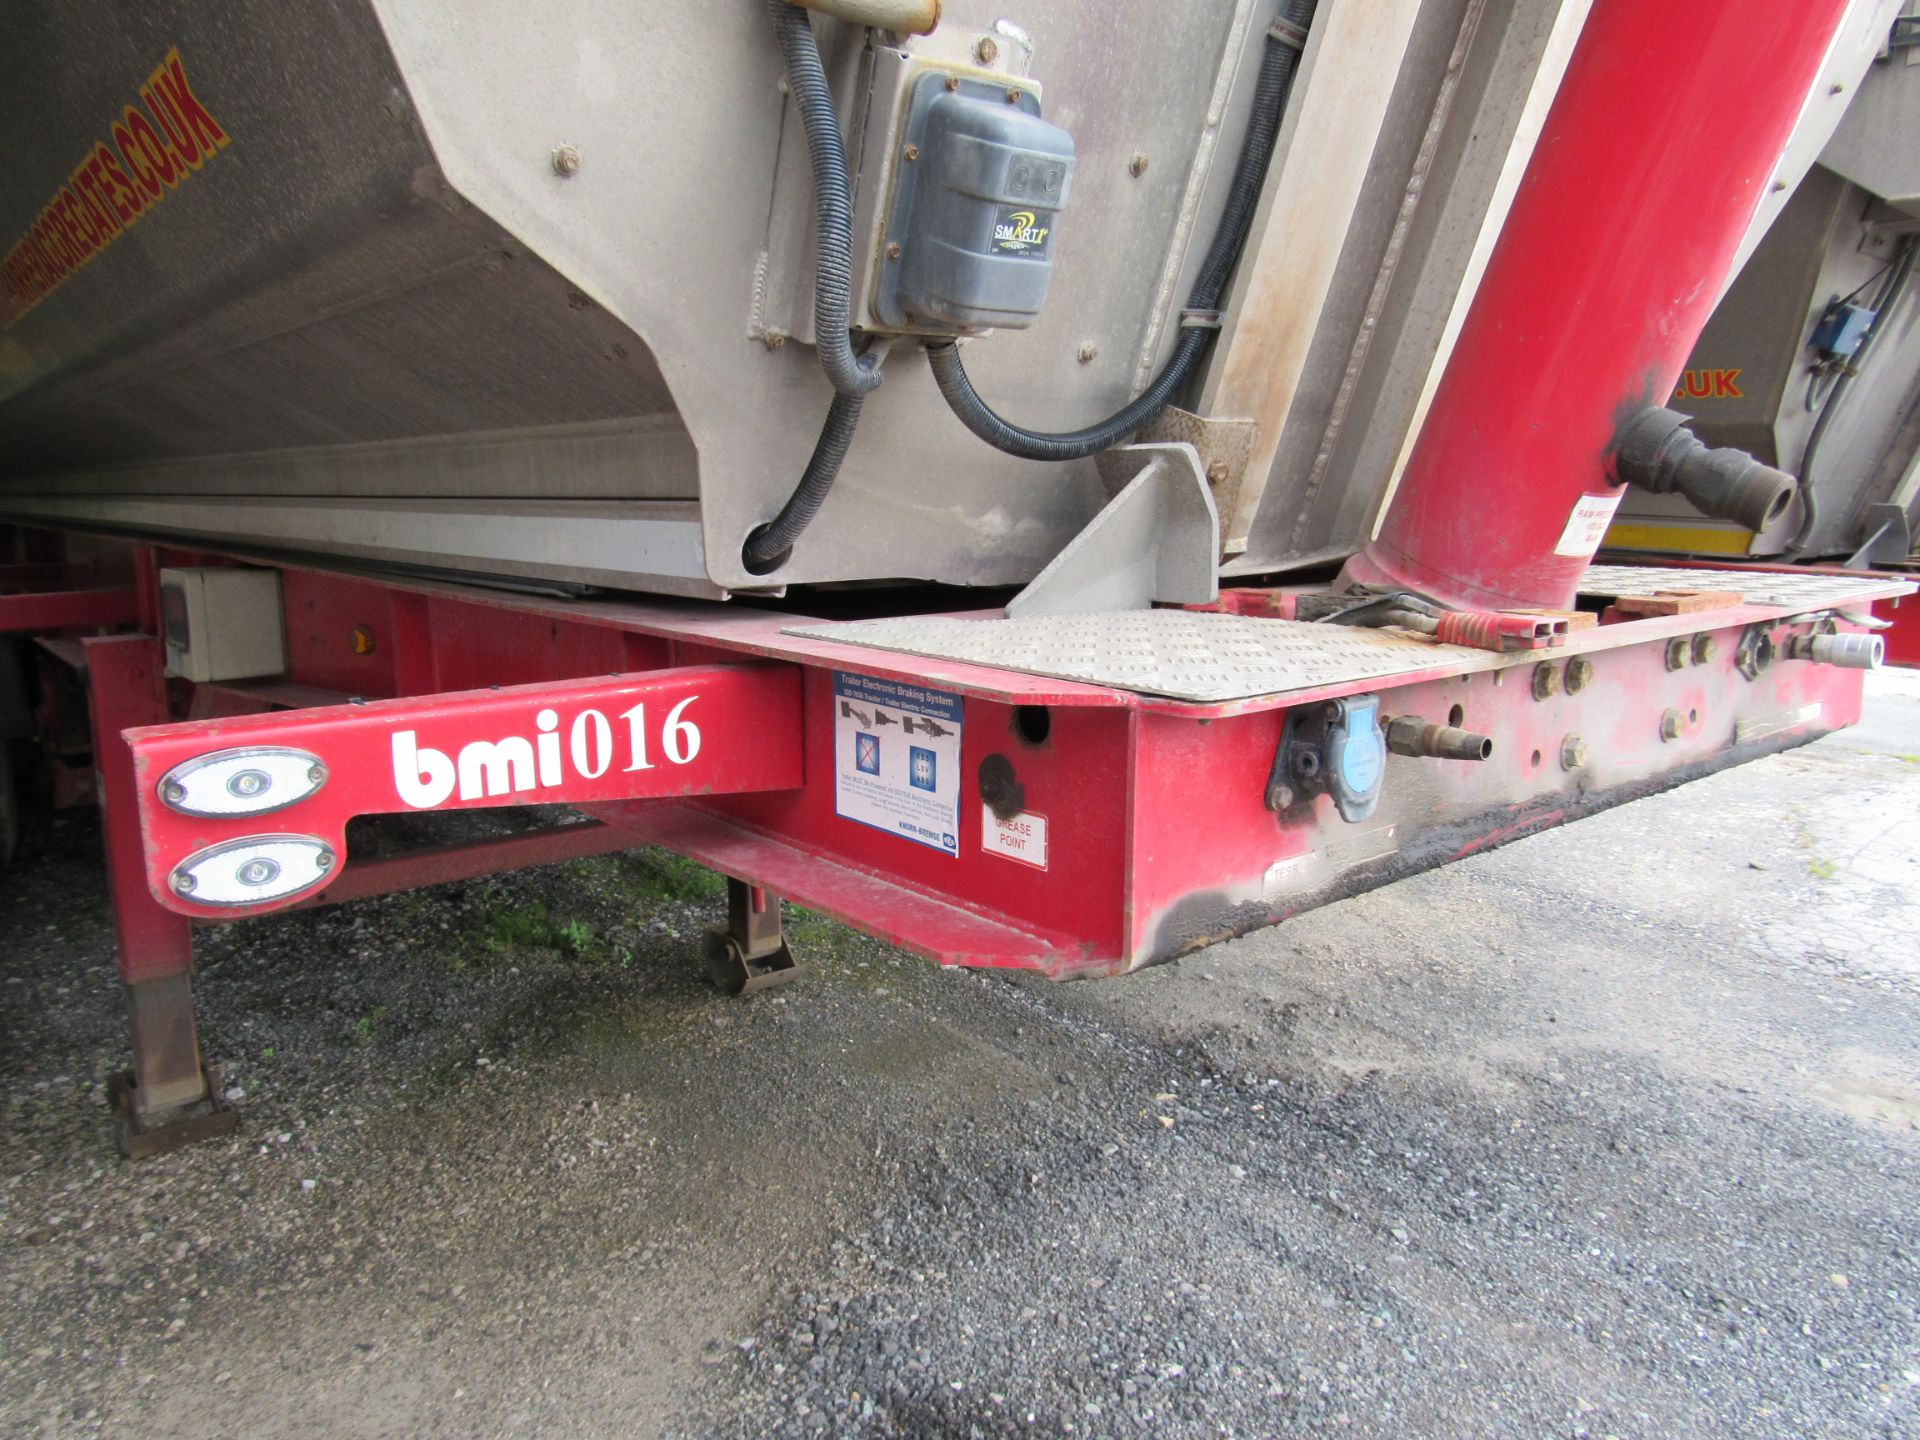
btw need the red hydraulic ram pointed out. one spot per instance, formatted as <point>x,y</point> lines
<point>1660,143</point>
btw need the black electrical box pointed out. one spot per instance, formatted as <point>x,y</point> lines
<point>980,181</point>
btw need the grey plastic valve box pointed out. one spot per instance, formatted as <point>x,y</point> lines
<point>980,184</point>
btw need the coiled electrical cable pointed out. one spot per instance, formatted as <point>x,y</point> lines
<point>1277,67</point>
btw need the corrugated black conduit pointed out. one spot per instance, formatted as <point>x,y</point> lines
<point>853,376</point>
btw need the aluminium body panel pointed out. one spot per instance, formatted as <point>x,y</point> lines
<point>381,294</point>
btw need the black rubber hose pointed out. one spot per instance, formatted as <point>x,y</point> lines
<point>1890,295</point>
<point>832,203</point>
<point>769,545</point>
<point>1277,68</point>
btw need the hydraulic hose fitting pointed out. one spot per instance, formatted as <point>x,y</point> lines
<point>1654,450</point>
<point>1410,735</point>
<point>1849,652</point>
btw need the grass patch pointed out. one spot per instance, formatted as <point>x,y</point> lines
<point>364,1027</point>
<point>503,925</point>
<point>663,875</point>
<point>807,927</point>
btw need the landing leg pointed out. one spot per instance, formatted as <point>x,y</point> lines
<point>750,953</point>
<point>170,1097</point>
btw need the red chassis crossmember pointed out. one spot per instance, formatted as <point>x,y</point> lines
<point>1155,831</point>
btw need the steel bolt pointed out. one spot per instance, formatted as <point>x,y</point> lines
<point>774,339</point>
<point>1703,649</point>
<point>183,884</point>
<point>894,252</point>
<point>1573,753</point>
<point>1280,797</point>
<point>1579,674</point>
<point>1672,723</point>
<point>1679,652</point>
<point>953,82</point>
<point>323,861</point>
<point>566,161</point>
<point>1217,473</point>
<point>174,794</point>
<point>986,50</point>
<point>911,152</point>
<point>1546,680</point>
<point>258,871</point>
<point>1137,166</point>
<point>1087,351</point>
<point>1013,96</point>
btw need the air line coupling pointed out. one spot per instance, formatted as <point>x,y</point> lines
<point>1654,449</point>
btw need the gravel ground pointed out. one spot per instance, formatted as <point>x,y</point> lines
<point>1610,1132</point>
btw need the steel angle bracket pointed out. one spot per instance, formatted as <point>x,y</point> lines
<point>1157,539</point>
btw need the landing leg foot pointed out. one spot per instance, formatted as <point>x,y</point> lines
<point>143,1135</point>
<point>750,953</point>
<point>170,1097</point>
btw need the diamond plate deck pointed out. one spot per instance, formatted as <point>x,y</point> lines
<point>1209,658</point>
<point>1756,587</point>
<point>1185,655</point>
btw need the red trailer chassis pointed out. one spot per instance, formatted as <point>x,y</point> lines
<point>1098,829</point>
<point>1073,826</point>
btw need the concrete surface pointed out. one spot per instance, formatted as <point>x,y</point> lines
<point>1610,1132</point>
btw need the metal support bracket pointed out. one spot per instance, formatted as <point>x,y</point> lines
<point>750,952</point>
<point>240,815</point>
<point>1156,540</point>
<point>1889,538</point>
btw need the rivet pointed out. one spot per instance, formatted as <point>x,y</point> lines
<point>183,883</point>
<point>911,152</point>
<point>1087,351</point>
<point>986,50</point>
<point>1137,166</point>
<point>566,161</point>
<point>893,250</point>
<point>1013,96</point>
